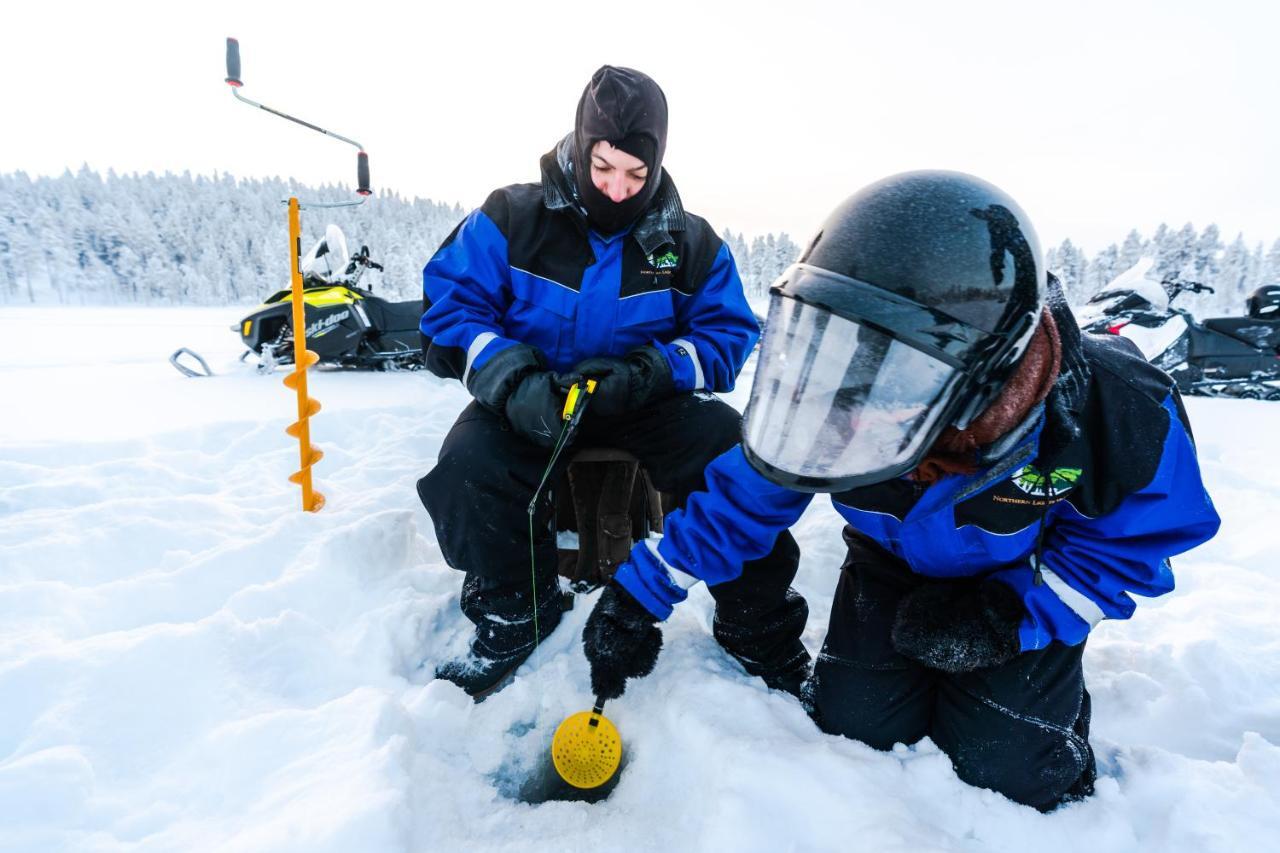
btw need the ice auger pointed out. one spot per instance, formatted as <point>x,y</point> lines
<point>303,358</point>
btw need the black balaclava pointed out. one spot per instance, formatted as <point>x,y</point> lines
<point>626,109</point>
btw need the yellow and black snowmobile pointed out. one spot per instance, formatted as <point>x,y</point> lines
<point>347,326</point>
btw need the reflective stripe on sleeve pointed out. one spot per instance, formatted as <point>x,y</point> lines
<point>698,380</point>
<point>1082,605</point>
<point>684,580</point>
<point>477,346</point>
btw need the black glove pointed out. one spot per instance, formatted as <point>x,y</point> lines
<point>622,640</point>
<point>612,396</point>
<point>626,384</point>
<point>535,408</point>
<point>492,384</point>
<point>958,626</point>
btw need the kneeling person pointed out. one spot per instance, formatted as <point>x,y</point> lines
<point>1007,483</point>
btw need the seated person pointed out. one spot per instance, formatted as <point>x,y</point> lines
<point>1007,484</point>
<point>598,270</point>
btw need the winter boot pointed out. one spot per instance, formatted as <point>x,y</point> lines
<point>1083,787</point>
<point>505,637</point>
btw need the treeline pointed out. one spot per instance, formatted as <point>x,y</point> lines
<point>761,261</point>
<point>82,238</point>
<point>179,239</point>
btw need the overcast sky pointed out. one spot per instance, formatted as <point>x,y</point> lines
<point>1096,116</point>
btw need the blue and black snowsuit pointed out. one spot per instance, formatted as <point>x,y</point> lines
<point>526,269</point>
<point>1101,482</point>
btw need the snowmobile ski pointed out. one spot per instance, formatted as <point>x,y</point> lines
<point>186,370</point>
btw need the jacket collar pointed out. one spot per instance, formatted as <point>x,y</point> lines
<point>663,218</point>
<point>1057,421</point>
<point>1066,402</point>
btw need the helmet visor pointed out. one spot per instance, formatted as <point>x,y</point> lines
<point>838,404</point>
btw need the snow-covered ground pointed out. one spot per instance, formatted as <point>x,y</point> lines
<point>188,662</point>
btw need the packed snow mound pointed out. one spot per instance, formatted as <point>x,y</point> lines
<point>188,662</point>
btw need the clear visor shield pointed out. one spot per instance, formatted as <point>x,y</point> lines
<point>836,403</point>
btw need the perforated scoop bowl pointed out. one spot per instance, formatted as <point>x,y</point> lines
<point>586,749</point>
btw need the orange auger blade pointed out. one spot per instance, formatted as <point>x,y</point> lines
<point>303,358</point>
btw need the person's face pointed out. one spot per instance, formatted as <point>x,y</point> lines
<point>616,173</point>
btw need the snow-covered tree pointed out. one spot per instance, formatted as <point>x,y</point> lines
<point>1131,250</point>
<point>1101,269</point>
<point>1271,265</point>
<point>1204,254</point>
<point>1068,263</point>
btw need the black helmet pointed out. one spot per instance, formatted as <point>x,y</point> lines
<point>1264,303</point>
<point>907,313</point>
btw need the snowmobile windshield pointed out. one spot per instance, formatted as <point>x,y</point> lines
<point>1139,279</point>
<point>837,403</point>
<point>1109,303</point>
<point>327,258</point>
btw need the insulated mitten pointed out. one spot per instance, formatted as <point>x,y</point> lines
<point>492,384</point>
<point>627,384</point>
<point>622,640</point>
<point>650,376</point>
<point>612,396</point>
<point>959,626</point>
<point>534,409</point>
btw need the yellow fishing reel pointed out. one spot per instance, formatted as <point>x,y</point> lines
<point>576,391</point>
<point>587,749</point>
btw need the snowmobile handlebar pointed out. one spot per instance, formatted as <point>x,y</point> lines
<point>233,79</point>
<point>362,259</point>
<point>1176,286</point>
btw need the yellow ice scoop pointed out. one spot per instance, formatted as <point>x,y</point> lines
<point>587,749</point>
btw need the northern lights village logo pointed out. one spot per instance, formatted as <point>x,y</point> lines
<point>1036,483</point>
<point>668,261</point>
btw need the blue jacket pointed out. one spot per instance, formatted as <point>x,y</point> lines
<point>526,269</point>
<point>1115,484</point>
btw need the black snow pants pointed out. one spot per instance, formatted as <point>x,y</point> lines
<point>1021,728</point>
<point>478,496</point>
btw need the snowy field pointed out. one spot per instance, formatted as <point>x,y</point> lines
<point>189,663</point>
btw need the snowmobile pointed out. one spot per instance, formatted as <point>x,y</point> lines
<point>347,326</point>
<point>1217,357</point>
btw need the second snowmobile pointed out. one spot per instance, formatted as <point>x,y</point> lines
<point>347,325</point>
<point>1217,357</point>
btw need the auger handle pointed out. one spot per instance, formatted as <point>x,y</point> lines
<point>233,63</point>
<point>233,79</point>
<point>362,174</point>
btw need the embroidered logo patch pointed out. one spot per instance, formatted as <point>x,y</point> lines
<point>668,261</point>
<point>1059,481</point>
